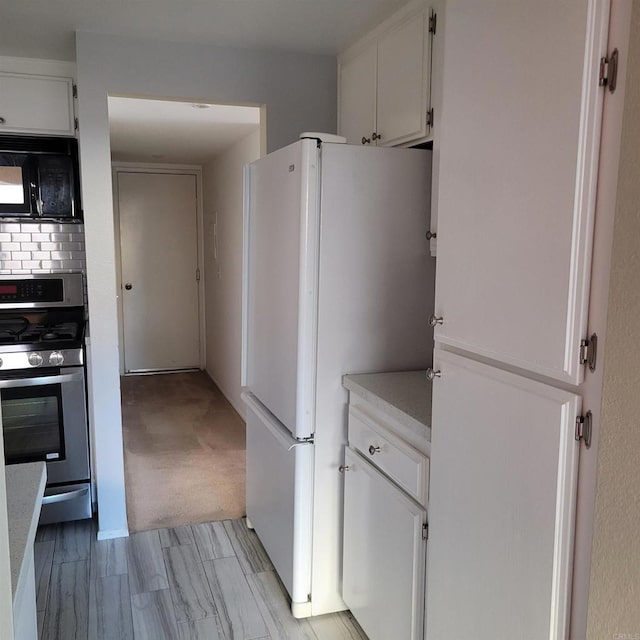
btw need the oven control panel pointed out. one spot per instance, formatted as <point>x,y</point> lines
<point>32,290</point>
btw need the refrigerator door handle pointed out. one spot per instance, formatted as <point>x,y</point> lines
<point>275,427</point>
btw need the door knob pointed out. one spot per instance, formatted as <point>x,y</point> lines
<point>431,235</point>
<point>366,140</point>
<point>128,286</point>
<point>343,467</point>
<point>376,136</point>
<point>2,120</point>
<point>432,373</point>
<point>373,449</point>
<point>434,320</point>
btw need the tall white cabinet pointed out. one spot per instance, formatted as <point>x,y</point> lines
<point>518,157</point>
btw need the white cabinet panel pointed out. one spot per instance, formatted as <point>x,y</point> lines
<point>385,82</point>
<point>358,96</point>
<point>502,505</point>
<point>403,71</point>
<point>518,158</point>
<point>384,554</point>
<point>36,104</point>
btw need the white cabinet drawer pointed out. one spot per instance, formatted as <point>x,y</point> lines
<point>402,463</point>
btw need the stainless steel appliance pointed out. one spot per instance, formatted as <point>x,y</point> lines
<point>42,386</point>
<point>39,178</point>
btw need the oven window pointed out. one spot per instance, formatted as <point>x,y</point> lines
<point>32,424</point>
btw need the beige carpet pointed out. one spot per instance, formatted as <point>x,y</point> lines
<point>184,451</point>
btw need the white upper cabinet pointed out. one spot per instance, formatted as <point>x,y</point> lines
<point>501,505</point>
<point>518,156</point>
<point>384,82</point>
<point>36,104</point>
<point>358,96</point>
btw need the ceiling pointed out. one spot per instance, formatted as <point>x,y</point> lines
<point>45,28</point>
<point>161,131</point>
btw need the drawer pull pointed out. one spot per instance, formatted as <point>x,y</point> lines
<point>432,374</point>
<point>373,449</point>
<point>342,468</point>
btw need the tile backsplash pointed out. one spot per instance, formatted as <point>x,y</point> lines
<point>32,247</point>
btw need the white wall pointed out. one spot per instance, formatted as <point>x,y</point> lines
<point>298,92</point>
<point>223,199</point>
<point>615,569</point>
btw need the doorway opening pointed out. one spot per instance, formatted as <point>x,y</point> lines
<point>178,197</point>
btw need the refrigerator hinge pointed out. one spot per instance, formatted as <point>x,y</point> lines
<point>198,275</point>
<point>430,117</point>
<point>425,531</point>
<point>433,22</point>
<point>609,71</point>
<point>307,439</point>
<point>584,427</point>
<point>589,351</point>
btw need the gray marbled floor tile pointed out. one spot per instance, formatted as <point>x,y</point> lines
<point>46,532</point>
<point>337,626</point>
<point>43,558</point>
<point>237,608</point>
<point>153,616</point>
<point>251,554</point>
<point>190,590</point>
<point>176,536</point>
<point>67,613</point>
<point>275,609</point>
<point>203,629</point>
<point>110,609</point>
<point>146,563</point>
<point>108,558</point>
<point>73,541</point>
<point>40,623</point>
<point>212,540</point>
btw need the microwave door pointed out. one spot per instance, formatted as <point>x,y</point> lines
<point>56,187</point>
<point>17,184</point>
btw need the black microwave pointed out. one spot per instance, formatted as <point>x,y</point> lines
<point>39,178</point>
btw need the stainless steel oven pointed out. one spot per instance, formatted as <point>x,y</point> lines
<point>42,387</point>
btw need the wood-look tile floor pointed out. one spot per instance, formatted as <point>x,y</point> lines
<point>209,581</point>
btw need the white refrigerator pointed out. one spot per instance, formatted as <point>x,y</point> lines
<point>337,279</point>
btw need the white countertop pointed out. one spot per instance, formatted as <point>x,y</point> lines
<point>25,488</point>
<point>404,395</point>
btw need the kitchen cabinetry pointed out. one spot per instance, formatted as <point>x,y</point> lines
<point>36,104</point>
<point>386,471</point>
<point>516,203</point>
<point>384,82</point>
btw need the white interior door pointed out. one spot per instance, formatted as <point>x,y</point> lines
<point>519,140</point>
<point>502,505</point>
<point>159,240</point>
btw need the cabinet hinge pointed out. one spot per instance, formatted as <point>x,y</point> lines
<point>433,22</point>
<point>197,275</point>
<point>584,427</point>
<point>589,351</point>
<point>76,124</point>
<point>609,71</point>
<point>425,531</point>
<point>430,117</point>
<point>74,89</point>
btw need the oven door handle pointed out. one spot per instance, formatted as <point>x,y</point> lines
<point>36,382</point>
<point>65,497</point>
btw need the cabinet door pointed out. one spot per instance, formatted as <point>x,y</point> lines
<point>384,554</point>
<point>357,104</point>
<point>501,503</point>
<point>403,82</point>
<point>36,104</point>
<point>519,141</point>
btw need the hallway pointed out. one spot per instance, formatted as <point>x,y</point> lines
<point>184,451</point>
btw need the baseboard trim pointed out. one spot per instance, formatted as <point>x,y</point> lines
<point>109,534</point>
<point>238,410</point>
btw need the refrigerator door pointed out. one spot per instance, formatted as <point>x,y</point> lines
<point>280,500</point>
<point>281,229</point>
